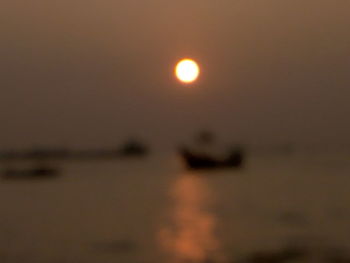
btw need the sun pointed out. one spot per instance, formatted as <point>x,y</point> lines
<point>187,70</point>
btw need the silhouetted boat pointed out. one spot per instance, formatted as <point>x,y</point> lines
<point>195,160</point>
<point>133,148</point>
<point>36,172</point>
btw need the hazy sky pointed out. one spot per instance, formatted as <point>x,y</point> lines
<point>93,72</point>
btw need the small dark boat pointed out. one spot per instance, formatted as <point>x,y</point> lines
<point>133,148</point>
<point>194,160</point>
<point>36,172</point>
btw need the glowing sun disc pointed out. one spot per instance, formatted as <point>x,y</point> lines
<point>187,70</point>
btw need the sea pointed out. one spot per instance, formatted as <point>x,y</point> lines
<point>278,208</point>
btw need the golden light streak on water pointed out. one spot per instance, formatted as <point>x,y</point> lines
<point>190,234</point>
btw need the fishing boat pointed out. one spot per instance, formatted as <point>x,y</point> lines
<point>32,172</point>
<point>133,148</point>
<point>197,160</point>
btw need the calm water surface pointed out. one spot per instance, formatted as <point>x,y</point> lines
<point>152,210</point>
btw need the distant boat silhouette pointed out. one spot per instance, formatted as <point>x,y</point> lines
<point>195,160</point>
<point>133,148</point>
<point>35,172</point>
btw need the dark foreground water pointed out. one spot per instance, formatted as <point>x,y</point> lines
<point>277,209</point>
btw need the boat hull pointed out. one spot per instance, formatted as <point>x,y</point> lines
<point>194,160</point>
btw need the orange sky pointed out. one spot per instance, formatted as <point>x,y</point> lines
<point>271,70</point>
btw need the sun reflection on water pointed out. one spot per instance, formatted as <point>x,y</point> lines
<point>189,235</point>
